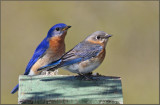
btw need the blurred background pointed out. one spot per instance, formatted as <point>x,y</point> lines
<point>132,52</point>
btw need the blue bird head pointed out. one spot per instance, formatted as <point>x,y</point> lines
<point>58,30</point>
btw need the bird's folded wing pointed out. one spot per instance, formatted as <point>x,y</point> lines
<point>39,52</point>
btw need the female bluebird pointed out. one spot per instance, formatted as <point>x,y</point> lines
<point>84,57</point>
<point>50,49</point>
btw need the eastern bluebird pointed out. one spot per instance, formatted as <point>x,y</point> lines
<point>84,57</point>
<point>50,49</point>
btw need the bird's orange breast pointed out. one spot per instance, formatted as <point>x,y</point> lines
<point>56,44</point>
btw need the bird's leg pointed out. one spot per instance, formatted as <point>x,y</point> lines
<point>85,76</point>
<point>89,74</point>
<point>79,76</point>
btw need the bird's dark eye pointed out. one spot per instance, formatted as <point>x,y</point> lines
<point>98,37</point>
<point>57,29</point>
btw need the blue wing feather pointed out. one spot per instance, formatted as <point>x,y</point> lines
<point>40,51</point>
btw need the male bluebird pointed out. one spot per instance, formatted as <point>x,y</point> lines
<point>84,57</point>
<point>50,49</point>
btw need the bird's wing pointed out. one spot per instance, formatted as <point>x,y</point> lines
<point>39,52</point>
<point>81,52</point>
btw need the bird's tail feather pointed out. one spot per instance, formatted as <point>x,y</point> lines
<point>15,89</point>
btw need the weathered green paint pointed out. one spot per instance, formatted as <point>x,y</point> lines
<point>69,90</point>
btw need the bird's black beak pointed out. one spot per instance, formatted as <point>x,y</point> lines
<point>67,27</point>
<point>107,36</point>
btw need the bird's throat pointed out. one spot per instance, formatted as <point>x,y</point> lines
<point>56,44</point>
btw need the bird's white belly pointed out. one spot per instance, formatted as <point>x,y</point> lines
<point>83,67</point>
